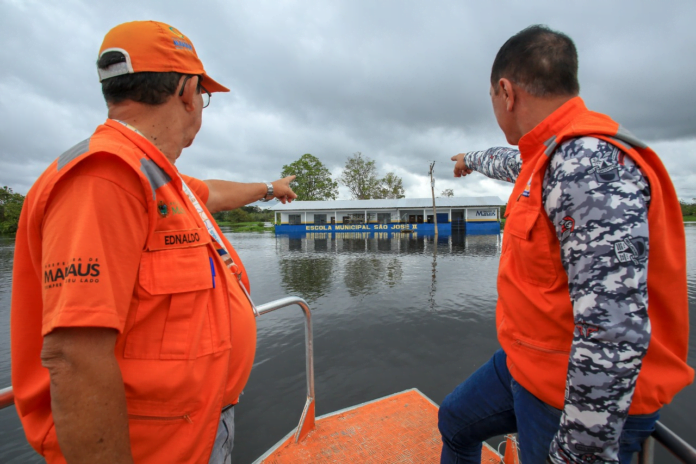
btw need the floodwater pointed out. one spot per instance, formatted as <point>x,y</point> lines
<point>390,312</point>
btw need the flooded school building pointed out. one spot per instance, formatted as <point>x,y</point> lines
<point>465,215</point>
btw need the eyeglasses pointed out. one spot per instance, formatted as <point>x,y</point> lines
<point>201,90</point>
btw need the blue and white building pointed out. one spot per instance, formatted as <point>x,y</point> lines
<point>467,215</point>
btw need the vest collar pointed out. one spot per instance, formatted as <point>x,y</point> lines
<point>154,153</point>
<point>544,131</point>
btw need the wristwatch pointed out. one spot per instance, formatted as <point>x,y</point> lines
<point>269,192</point>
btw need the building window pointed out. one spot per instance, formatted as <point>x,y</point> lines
<point>383,218</point>
<point>411,216</point>
<point>294,219</point>
<point>320,218</point>
<point>354,218</point>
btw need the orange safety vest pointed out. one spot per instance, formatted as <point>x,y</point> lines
<point>534,315</point>
<point>175,350</point>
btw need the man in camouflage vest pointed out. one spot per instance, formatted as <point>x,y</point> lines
<point>584,366</point>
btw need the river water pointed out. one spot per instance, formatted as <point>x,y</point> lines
<point>390,312</point>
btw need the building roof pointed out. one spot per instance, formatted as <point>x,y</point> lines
<point>401,203</point>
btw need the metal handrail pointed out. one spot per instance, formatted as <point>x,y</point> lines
<point>675,444</point>
<point>6,398</point>
<point>306,424</point>
<point>670,440</point>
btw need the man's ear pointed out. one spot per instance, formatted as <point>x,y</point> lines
<point>508,92</point>
<point>190,92</point>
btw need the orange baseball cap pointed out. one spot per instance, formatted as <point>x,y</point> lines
<point>154,47</point>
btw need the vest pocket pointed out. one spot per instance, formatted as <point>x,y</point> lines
<point>176,271</point>
<point>172,305</point>
<point>530,245</point>
<point>541,349</point>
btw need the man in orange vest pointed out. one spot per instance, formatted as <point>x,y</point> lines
<point>133,332</point>
<point>594,340</point>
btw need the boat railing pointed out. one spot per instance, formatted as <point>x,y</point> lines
<point>670,440</point>
<point>663,435</point>
<point>6,398</point>
<point>306,424</point>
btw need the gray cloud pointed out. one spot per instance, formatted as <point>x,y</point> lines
<point>404,82</point>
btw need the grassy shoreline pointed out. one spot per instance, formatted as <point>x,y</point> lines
<point>246,226</point>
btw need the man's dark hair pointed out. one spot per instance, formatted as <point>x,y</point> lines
<point>151,88</point>
<point>541,61</point>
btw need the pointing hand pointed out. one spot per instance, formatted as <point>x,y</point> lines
<point>460,167</point>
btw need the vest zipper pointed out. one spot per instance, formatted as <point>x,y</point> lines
<point>538,348</point>
<point>185,417</point>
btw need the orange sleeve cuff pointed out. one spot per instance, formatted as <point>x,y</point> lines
<point>83,317</point>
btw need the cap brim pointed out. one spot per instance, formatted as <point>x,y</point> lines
<point>212,86</point>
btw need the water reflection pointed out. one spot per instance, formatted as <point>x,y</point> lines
<point>307,276</point>
<point>366,275</point>
<point>310,263</point>
<point>433,280</point>
<point>387,242</point>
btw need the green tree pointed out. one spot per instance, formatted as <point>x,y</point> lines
<point>447,193</point>
<point>244,214</point>
<point>360,176</point>
<point>688,208</point>
<point>313,180</point>
<point>392,187</point>
<point>238,215</point>
<point>10,208</point>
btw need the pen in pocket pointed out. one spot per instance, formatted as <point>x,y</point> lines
<point>212,270</point>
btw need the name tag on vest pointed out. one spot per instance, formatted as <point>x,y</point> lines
<point>168,239</point>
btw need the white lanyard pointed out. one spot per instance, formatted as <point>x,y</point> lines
<point>199,209</point>
<point>214,234</point>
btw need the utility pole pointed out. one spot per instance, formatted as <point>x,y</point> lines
<point>432,189</point>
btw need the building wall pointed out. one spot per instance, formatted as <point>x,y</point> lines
<point>308,219</point>
<point>484,214</point>
<point>475,214</point>
<point>371,216</point>
<point>472,228</point>
<point>483,228</point>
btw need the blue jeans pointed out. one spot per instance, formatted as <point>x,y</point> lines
<point>491,403</point>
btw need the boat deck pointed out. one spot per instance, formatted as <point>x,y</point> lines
<point>397,428</point>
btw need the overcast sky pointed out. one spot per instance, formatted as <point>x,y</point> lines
<point>403,82</point>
